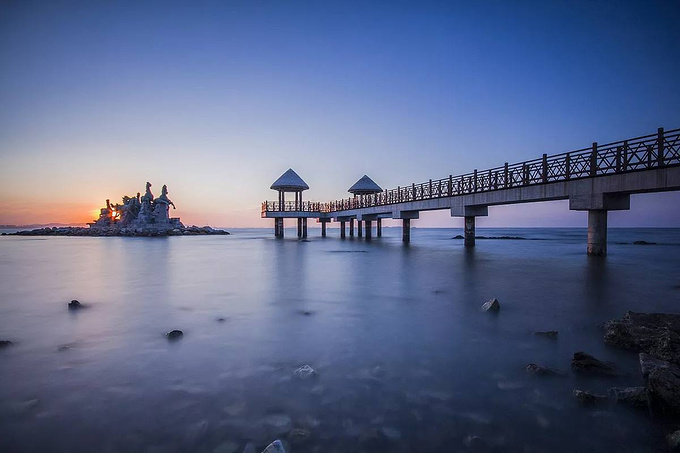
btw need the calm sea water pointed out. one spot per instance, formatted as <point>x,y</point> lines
<point>395,334</point>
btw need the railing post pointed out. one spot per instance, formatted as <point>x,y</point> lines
<point>398,194</point>
<point>474,182</point>
<point>625,155</point>
<point>430,188</point>
<point>413,191</point>
<point>567,166</point>
<point>618,159</point>
<point>505,176</point>
<point>650,159</point>
<point>593,160</point>
<point>489,186</point>
<point>525,175</point>
<point>450,185</point>
<point>660,147</point>
<point>545,168</point>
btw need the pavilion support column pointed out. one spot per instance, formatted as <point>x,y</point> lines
<point>351,227</point>
<point>323,229</point>
<point>304,228</point>
<point>299,225</point>
<point>469,231</point>
<point>406,231</point>
<point>342,230</point>
<point>379,227</point>
<point>369,227</point>
<point>360,232</point>
<point>597,232</point>
<point>278,227</point>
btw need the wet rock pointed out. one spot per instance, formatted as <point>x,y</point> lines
<point>643,243</point>
<point>275,447</point>
<point>374,439</point>
<point>653,333</point>
<point>298,436</point>
<point>458,236</point>
<point>674,441</point>
<point>174,334</point>
<point>552,334</point>
<point>585,397</point>
<point>492,305</point>
<point>75,305</point>
<point>305,372</point>
<point>636,397</point>
<point>5,343</point>
<point>221,319</point>
<point>586,363</point>
<point>539,370</point>
<point>663,383</point>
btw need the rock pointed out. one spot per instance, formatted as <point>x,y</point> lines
<point>491,305</point>
<point>586,363</point>
<point>653,333</point>
<point>631,396</point>
<point>552,334</point>
<point>305,372</point>
<point>458,236</point>
<point>226,447</point>
<point>298,436</point>
<point>644,243</point>
<point>539,370</point>
<point>584,397</point>
<point>663,383</point>
<point>5,343</point>
<point>275,447</point>
<point>174,334</point>
<point>75,305</point>
<point>674,441</point>
<point>221,319</point>
<point>374,440</point>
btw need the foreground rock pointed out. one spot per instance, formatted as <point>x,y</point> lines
<point>75,305</point>
<point>657,334</point>
<point>304,372</point>
<point>636,397</point>
<point>298,436</point>
<point>587,364</point>
<point>674,441</point>
<point>586,398</point>
<point>492,305</point>
<point>5,343</point>
<point>539,370</point>
<point>174,334</point>
<point>275,447</point>
<point>662,379</point>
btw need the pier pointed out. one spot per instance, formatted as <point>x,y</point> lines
<point>596,179</point>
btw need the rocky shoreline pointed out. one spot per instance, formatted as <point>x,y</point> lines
<point>116,231</point>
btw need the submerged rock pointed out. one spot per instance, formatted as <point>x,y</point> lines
<point>539,370</point>
<point>275,447</point>
<point>643,243</point>
<point>674,441</point>
<point>552,334</point>
<point>174,334</point>
<point>304,372</point>
<point>75,305</point>
<point>491,305</point>
<point>585,397</point>
<point>631,396</point>
<point>298,436</point>
<point>662,379</point>
<point>657,334</point>
<point>586,363</point>
<point>5,343</point>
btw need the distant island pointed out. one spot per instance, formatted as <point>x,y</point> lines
<point>136,216</point>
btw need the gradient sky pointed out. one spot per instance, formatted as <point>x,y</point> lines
<point>217,99</point>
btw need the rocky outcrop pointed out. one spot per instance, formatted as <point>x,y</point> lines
<point>492,305</point>
<point>539,370</point>
<point>587,364</point>
<point>636,397</point>
<point>662,379</point>
<point>304,372</point>
<point>275,447</point>
<point>5,343</point>
<point>657,334</point>
<point>117,231</point>
<point>75,305</point>
<point>174,334</point>
<point>584,397</point>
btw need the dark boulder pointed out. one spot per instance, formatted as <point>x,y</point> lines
<point>657,334</point>
<point>636,397</point>
<point>174,334</point>
<point>539,370</point>
<point>587,364</point>
<point>75,305</point>
<point>5,343</point>
<point>492,305</point>
<point>584,397</point>
<point>663,383</point>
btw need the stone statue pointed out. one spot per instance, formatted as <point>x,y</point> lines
<point>161,206</point>
<point>148,196</point>
<point>164,198</point>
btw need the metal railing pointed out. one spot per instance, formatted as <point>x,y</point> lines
<point>641,153</point>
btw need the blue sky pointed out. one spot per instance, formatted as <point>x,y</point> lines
<point>217,99</point>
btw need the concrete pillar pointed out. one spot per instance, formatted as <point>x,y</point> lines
<point>379,227</point>
<point>406,231</point>
<point>342,230</point>
<point>323,229</point>
<point>597,232</point>
<point>359,228</point>
<point>278,228</point>
<point>299,224</point>
<point>304,228</point>
<point>369,227</point>
<point>351,227</point>
<point>469,231</point>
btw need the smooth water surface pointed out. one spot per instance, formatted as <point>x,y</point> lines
<point>394,332</point>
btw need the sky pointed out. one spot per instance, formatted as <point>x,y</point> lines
<point>217,99</point>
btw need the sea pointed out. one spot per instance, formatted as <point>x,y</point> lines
<point>403,358</point>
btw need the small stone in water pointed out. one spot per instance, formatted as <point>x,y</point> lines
<point>221,319</point>
<point>74,305</point>
<point>298,436</point>
<point>5,343</point>
<point>175,334</point>
<point>585,397</point>
<point>539,370</point>
<point>305,372</point>
<point>552,334</point>
<point>491,305</point>
<point>275,447</point>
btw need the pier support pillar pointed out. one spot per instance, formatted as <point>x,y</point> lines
<point>278,228</point>
<point>406,231</point>
<point>323,228</point>
<point>359,228</point>
<point>379,227</point>
<point>342,230</point>
<point>299,225</point>
<point>369,227</point>
<point>469,231</point>
<point>597,232</point>
<point>304,228</point>
<point>351,227</point>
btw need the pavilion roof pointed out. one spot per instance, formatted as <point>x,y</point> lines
<point>365,186</point>
<point>289,182</point>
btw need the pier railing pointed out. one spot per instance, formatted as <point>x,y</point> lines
<point>641,153</point>
<point>291,206</point>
